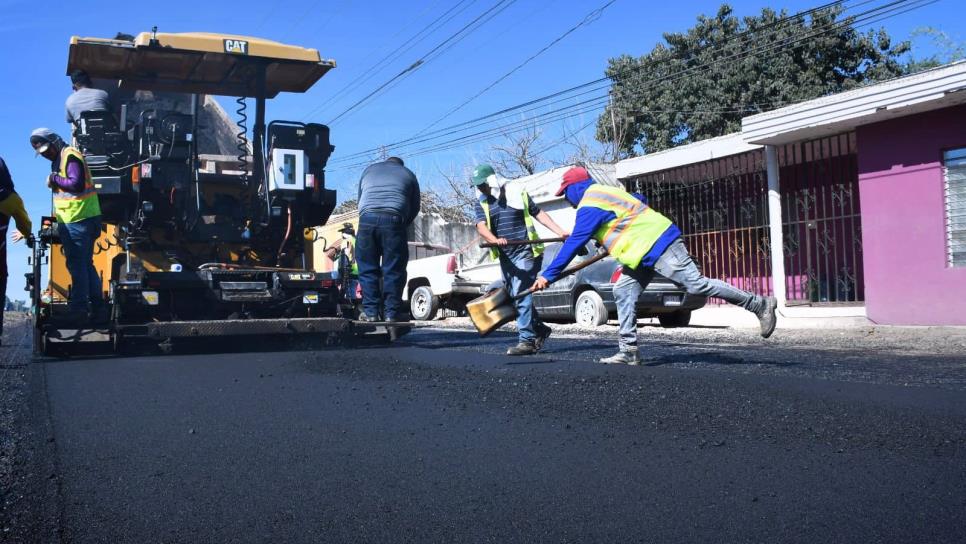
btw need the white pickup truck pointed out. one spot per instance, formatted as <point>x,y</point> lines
<point>438,278</point>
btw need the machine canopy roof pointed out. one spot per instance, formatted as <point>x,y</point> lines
<point>216,64</point>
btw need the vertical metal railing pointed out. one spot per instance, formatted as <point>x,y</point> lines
<point>821,221</point>
<point>722,208</point>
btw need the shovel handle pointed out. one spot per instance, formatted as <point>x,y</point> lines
<point>566,272</point>
<point>523,242</point>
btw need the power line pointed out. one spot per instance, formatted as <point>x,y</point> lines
<point>867,17</point>
<point>589,18</point>
<point>592,83</point>
<point>401,49</point>
<point>438,49</point>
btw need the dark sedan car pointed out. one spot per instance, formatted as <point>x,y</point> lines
<point>587,297</point>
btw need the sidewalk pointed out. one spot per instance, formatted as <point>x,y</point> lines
<point>796,317</point>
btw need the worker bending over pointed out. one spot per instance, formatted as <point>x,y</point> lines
<point>510,217</point>
<point>643,241</point>
<point>388,203</point>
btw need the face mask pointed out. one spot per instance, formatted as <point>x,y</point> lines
<point>346,236</point>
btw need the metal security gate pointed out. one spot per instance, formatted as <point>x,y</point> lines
<point>722,208</point>
<point>821,221</point>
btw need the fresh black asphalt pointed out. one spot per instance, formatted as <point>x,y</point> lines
<point>440,439</point>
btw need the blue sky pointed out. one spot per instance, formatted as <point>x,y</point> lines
<point>33,54</point>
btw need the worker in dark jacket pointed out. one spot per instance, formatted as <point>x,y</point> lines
<point>11,205</point>
<point>78,213</point>
<point>643,241</point>
<point>388,203</point>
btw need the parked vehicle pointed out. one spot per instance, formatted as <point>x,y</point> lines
<point>437,278</point>
<point>587,297</point>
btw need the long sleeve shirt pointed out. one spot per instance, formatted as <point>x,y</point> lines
<point>11,205</point>
<point>389,187</point>
<point>588,220</point>
<point>74,182</point>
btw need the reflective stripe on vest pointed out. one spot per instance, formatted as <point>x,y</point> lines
<point>527,221</point>
<point>635,229</point>
<point>74,207</point>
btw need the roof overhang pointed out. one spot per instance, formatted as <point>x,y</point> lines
<point>705,150</point>
<point>217,64</point>
<point>928,90</point>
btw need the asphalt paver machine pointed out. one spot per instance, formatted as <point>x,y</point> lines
<point>195,245</point>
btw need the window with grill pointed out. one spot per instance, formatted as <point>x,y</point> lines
<point>954,170</point>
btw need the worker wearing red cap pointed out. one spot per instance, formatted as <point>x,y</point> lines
<point>643,241</point>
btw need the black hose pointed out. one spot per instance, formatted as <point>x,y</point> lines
<point>242,136</point>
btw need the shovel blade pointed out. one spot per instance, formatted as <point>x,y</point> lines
<point>491,311</point>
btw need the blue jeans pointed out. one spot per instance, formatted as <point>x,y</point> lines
<point>382,252</point>
<point>676,265</point>
<point>78,243</point>
<point>519,273</point>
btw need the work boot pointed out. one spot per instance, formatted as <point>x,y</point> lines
<point>363,316</point>
<point>525,347</point>
<point>766,316</point>
<point>622,358</point>
<point>543,332</point>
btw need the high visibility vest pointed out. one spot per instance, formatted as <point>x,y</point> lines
<point>637,227</point>
<point>527,220</point>
<point>74,207</point>
<point>350,254</point>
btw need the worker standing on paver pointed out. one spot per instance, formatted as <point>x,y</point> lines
<point>389,201</point>
<point>511,217</point>
<point>84,98</point>
<point>11,205</point>
<point>643,241</point>
<point>78,213</point>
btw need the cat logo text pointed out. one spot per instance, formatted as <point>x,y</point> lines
<point>236,47</point>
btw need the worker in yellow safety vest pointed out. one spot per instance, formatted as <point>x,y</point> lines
<point>78,213</point>
<point>343,252</point>
<point>643,241</point>
<point>510,216</point>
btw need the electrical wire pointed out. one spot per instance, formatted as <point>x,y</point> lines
<point>433,53</point>
<point>589,18</point>
<point>380,65</point>
<point>871,16</point>
<point>596,82</point>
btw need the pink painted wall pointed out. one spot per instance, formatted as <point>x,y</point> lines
<point>907,280</point>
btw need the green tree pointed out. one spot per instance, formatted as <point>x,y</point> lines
<point>700,83</point>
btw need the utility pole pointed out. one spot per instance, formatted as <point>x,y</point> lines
<point>613,126</point>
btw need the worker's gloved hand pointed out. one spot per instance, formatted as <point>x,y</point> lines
<point>540,284</point>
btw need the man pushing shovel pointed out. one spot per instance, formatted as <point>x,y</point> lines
<point>643,241</point>
<point>510,217</point>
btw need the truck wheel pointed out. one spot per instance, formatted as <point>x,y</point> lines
<point>423,304</point>
<point>677,319</point>
<point>589,310</point>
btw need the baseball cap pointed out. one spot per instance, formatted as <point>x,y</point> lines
<point>574,175</point>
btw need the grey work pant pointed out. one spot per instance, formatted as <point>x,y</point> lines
<point>675,264</point>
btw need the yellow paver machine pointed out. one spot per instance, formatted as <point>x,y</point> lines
<point>197,245</point>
